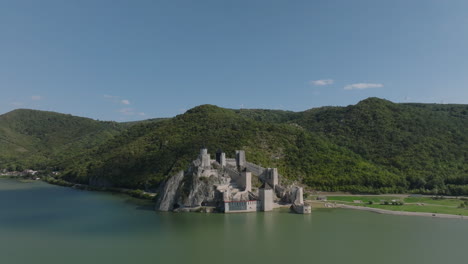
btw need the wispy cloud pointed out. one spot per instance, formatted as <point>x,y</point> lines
<point>124,104</point>
<point>362,86</point>
<point>37,97</point>
<point>322,82</point>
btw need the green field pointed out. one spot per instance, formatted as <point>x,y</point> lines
<point>364,199</point>
<point>411,204</point>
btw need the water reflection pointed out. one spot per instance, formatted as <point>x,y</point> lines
<point>62,225</point>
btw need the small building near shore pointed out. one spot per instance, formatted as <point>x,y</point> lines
<point>322,198</point>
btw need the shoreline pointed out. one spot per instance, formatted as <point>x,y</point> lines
<point>147,196</point>
<point>135,193</point>
<point>405,213</point>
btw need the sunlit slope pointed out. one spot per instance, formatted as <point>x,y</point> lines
<point>147,153</point>
<point>427,144</point>
<point>39,139</point>
<point>373,146</point>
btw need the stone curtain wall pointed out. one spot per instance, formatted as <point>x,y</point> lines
<point>241,206</point>
<point>254,168</point>
<point>232,173</point>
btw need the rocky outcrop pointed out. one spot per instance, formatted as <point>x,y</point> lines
<point>287,194</point>
<point>188,191</point>
<point>169,192</point>
<point>199,191</point>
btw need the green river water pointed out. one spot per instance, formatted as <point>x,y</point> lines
<point>42,223</point>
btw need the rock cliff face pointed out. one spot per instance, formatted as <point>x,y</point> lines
<point>199,191</point>
<point>287,194</point>
<point>169,193</point>
<point>208,184</point>
<point>187,190</point>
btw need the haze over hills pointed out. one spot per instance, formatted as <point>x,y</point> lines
<point>373,146</point>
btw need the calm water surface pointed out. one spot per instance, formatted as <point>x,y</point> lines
<point>41,223</point>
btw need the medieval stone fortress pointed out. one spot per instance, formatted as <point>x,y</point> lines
<point>225,185</point>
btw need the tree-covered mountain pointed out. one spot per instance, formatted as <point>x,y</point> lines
<point>427,144</point>
<point>146,154</point>
<point>373,146</point>
<point>41,139</point>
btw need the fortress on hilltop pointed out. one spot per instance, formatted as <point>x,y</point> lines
<point>225,185</point>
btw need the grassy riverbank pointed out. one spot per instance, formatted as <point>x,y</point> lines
<point>425,204</point>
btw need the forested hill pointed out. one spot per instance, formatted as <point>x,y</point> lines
<point>373,146</point>
<point>41,139</point>
<point>147,153</point>
<point>427,144</point>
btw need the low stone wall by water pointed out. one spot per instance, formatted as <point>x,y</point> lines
<point>241,206</point>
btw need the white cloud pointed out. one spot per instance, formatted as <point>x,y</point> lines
<point>128,111</point>
<point>36,97</point>
<point>361,86</point>
<point>322,82</point>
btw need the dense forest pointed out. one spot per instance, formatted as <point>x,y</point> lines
<point>375,146</point>
<point>42,140</point>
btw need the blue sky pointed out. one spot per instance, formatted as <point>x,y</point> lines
<point>130,60</point>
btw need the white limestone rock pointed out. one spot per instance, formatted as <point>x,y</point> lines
<point>199,191</point>
<point>168,193</point>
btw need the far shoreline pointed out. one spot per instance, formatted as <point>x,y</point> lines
<point>405,213</point>
<point>147,197</point>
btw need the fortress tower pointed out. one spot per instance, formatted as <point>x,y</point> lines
<point>299,199</point>
<point>245,180</point>
<point>240,158</point>
<point>266,197</point>
<point>221,158</point>
<point>205,159</point>
<point>271,176</point>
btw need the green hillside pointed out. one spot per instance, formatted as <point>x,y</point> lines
<point>146,154</point>
<point>427,144</point>
<point>40,139</point>
<point>373,146</point>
